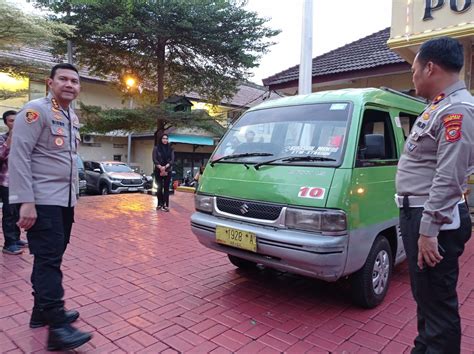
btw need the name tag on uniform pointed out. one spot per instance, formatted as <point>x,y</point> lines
<point>411,146</point>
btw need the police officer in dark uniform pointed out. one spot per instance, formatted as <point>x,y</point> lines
<point>431,180</point>
<point>43,182</point>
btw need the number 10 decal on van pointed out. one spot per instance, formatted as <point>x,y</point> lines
<point>305,184</point>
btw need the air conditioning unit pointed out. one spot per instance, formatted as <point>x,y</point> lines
<point>87,139</point>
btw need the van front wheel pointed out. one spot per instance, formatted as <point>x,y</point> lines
<point>241,263</point>
<point>370,284</point>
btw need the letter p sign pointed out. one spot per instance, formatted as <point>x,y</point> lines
<point>432,5</point>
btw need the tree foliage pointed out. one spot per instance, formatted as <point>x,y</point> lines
<point>98,120</point>
<point>21,29</point>
<point>170,46</point>
<point>8,94</point>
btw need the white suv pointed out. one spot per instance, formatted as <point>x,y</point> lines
<point>107,177</point>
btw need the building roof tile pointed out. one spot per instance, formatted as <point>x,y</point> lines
<point>366,53</point>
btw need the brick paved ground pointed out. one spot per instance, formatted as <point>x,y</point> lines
<point>144,284</point>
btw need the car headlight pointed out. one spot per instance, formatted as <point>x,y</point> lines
<point>116,179</point>
<point>203,203</point>
<point>316,220</point>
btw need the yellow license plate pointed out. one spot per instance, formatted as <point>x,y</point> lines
<point>236,238</point>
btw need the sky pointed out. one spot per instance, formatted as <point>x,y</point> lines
<point>335,23</point>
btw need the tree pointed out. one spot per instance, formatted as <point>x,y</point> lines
<point>170,46</point>
<point>144,119</point>
<point>8,94</point>
<point>21,29</point>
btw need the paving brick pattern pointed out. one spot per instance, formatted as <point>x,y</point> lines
<point>143,284</point>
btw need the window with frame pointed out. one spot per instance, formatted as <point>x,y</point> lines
<point>407,121</point>
<point>377,141</point>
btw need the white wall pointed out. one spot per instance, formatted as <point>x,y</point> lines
<point>141,154</point>
<point>106,150</point>
<point>101,94</point>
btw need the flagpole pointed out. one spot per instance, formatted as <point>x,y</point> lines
<point>306,60</point>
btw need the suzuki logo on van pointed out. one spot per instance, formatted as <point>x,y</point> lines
<point>312,192</point>
<point>244,209</point>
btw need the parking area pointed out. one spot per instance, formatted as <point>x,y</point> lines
<point>143,283</point>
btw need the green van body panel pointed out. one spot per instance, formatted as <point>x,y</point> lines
<point>274,184</point>
<point>365,193</point>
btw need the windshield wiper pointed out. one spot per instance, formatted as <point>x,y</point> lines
<point>235,156</point>
<point>294,159</point>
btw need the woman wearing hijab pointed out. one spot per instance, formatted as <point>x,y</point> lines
<point>163,158</point>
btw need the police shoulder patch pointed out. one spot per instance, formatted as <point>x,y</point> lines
<point>31,116</point>
<point>453,124</point>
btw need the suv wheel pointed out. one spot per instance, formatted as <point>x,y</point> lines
<point>241,263</point>
<point>104,190</point>
<point>370,284</point>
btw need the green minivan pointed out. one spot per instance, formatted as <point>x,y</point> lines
<point>306,184</point>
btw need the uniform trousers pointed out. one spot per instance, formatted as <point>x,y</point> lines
<point>48,239</point>
<point>11,232</point>
<point>434,288</point>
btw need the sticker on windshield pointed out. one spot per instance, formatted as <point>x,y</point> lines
<point>312,192</point>
<point>326,150</point>
<point>338,107</point>
<point>300,150</point>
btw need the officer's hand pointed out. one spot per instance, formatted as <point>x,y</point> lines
<point>27,216</point>
<point>428,251</point>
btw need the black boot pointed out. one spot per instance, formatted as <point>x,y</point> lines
<point>62,336</point>
<point>37,317</point>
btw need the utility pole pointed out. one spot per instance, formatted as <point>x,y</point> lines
<point>306,60</point>
<point>129,140</point>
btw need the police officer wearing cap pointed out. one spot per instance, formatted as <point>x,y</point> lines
<point>43,182</point>
<point>431,179</point>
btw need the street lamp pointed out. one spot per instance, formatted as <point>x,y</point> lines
<point>130,82</point>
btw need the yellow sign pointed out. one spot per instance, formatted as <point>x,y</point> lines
<point>415,21</point>
<point>236,238</point>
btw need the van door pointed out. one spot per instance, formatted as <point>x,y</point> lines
<point>373,179</point>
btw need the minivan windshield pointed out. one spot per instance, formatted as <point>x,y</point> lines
<point>313,130</point>
<point>115,167</point>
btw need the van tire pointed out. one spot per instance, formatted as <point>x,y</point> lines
<point>241,263</point>
<point>370,284</point>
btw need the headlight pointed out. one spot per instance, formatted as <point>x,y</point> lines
<point>203,203</point>
<point>316,220</point>
<point>116,179</point>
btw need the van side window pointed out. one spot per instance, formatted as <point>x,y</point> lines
<point>407,120</point>
<point>376,142</point>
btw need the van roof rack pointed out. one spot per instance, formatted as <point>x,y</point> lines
<point>403,94</point>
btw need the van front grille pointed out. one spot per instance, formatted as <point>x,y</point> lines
<point>248,209</point>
